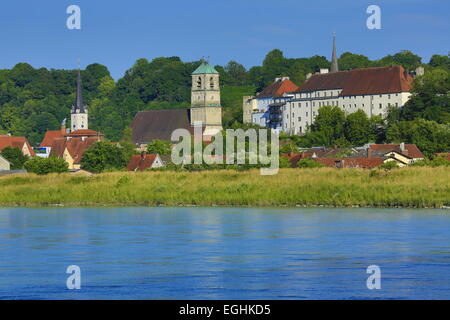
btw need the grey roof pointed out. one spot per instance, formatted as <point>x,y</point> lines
<point>79,96</point>
<point>159,124</point>
<point>334,62</point>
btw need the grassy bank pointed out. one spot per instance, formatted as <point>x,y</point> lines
<point>408,187</point>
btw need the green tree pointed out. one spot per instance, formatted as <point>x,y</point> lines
<point>353,61</point>
<point>44,166</point>
<point>358,128</point>
<point>430,97</point>
<point>429,136</point>
<point>15,157</point>
<point>161,147</point>
<point>328,125</point>
<point>104,156</point>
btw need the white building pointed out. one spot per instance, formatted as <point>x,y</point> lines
<point>372,90</point>
<point>273,95</point>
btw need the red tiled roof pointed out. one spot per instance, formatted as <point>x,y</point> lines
<point>411,150</point>
<point>51,135</point>
<point>15,142</point>
<point>75,146</point>
<point>141,162</point>
<point>277,88</point>
<point>379,80</point>
<point>365,163</point>
<point>84,132</point>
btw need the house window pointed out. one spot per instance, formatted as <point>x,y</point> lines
<point>199,82</point>
<point>211,83</point>
<point>381,106</point>
<point>300,129</point>
<point>299,118</point>
<point>307,114</point>
<point>396,104</point>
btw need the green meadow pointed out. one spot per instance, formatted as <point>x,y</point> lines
<point>417,187</point>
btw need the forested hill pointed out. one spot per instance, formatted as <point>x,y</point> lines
<point>35,100</point>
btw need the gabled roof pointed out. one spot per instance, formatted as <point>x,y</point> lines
<point>141,162</point>
<point>159,124</point>
<point>15,142</point>
<point>75,146</point>
<point>205,68</point>
<point>365,163</point>
<point>410,150</point>
<point>51,135</point>
<point>379,80</point>
<point>278,88</point>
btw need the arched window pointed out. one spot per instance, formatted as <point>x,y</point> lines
<point>199,83</point>
<point>211,82</point>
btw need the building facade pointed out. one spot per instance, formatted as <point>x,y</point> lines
<point>264,109</point>
<point>79,112</point>
<point>372,90</point>
<point>205,99</point>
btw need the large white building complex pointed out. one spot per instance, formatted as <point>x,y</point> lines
<point>372,90</point>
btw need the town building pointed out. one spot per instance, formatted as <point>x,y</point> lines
<point>17,142</point>
<point>144,161</point>
<point>367,157</point>
<point>79,112</point>
<point>5,165</point>
<point>70,144</point>
<point>372,90</point>
<point>265,107</point>
<point>205,111</point>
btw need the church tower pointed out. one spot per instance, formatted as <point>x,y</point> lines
<point>79,113</point>
<point>334,61</point>
<point>205,99</point>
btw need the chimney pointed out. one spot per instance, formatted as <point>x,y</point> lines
<point>308,76</point>
<point>369,153</point>
<point>143,154</point>
<point>63,129</point>
<point>323,70</point>
<point>402,147</point>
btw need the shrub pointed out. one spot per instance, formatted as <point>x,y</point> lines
<point>309,163</point>
<point>43,166</point>
<point>104,156</point>
<point>15,157</point>
<point>389,165</point>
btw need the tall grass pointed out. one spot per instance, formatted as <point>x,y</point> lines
<point>407,187</point>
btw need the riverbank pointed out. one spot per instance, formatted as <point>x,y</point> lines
<point>418,187</point>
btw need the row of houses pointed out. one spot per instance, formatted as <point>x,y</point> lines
<point>286,107</point>
<point>366,157</point>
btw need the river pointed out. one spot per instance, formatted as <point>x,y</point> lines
<point>224,253</point>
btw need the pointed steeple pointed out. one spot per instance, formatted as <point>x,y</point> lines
<point>334,62</point>
<point>79,96</point>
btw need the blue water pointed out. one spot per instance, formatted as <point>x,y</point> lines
<point>218,253</point>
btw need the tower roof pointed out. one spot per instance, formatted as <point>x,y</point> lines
<point>79,96</point>
<point>334,62</point>
<point>205,68</point>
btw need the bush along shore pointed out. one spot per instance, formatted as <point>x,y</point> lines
<point>416,187</point>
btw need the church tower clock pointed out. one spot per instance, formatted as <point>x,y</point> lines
<point>205,99</point>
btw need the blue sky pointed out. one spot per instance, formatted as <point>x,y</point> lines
<point>117,33</point>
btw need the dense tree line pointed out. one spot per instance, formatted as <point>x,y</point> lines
<point>33,101</point>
